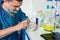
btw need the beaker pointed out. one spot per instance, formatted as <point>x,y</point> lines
<point>48,24</point>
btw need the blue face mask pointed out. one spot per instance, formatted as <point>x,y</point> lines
<point>10,11</point>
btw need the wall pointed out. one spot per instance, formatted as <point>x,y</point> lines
<point>32,7</point>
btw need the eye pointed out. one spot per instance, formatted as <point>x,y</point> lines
<point>16,6</point>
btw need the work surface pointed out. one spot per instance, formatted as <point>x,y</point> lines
<point>35,35</point>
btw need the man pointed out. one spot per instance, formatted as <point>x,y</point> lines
<point>12,19</point>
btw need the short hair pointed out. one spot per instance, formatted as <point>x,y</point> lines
<point>16,0</point>
<point>19,0</point>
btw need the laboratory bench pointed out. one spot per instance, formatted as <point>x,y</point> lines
<point>37,35</point>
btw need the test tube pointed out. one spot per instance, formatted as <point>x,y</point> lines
<point>36,21</point>
<point>36,24</point>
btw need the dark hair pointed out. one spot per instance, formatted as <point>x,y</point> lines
<point>16,0</point>
<point>19,0</point>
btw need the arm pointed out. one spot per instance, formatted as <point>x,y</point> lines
<point>7,31</point>
<point>10,30</point>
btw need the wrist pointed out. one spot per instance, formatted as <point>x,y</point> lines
<point>16,28</point>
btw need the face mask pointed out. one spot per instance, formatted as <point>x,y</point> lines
<point>10,10</point>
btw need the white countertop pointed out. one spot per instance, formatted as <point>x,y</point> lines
<point>35,35</point>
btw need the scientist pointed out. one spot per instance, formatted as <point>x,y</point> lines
<point>12,19</point>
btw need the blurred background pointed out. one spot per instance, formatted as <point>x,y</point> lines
<point>44,16</point>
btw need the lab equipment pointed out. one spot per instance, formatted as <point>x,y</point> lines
<point>36,21</point>
<point>57,35</point>
<point>32,26</point>
<point>48,7</point>
<point>52,7</point>
<point>51,36</point>
<point>36,24</point>
<point>48,36</point>
<point>57,0</point>
<point>47,20</point>
<point>49,0</point>
<point>47,27</point>
<point>57,23</point>
<point>41,17</point>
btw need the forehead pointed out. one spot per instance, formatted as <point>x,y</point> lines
<point>16,3</point>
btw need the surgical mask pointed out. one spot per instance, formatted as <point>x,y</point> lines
<point>10,10</point>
